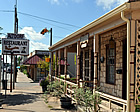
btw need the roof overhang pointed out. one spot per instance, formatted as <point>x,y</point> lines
<point>117,10</point>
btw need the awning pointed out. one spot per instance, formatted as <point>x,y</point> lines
<point>32,60</point>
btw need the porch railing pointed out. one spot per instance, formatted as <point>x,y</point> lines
<point>110,101</point>
<point>70,87</point>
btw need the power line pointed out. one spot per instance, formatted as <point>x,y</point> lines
<point>53,24</point>
<point>48,19</point>
<point>37,17</point>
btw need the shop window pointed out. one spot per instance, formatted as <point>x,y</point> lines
<point>110,61</point>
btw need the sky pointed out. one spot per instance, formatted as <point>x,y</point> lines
<point>63,16</point>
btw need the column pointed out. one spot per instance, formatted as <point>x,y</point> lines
<point>83,64</point>
<point>95,48</point>
<point>56,52</point>
<point>132,53</point>
<point>78,62</point>
<point>51,63</point>
<point>59,60</point>
<point>65,57</point>
<point>90,63</point>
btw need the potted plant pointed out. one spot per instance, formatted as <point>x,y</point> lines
<point>87,99</point>
<point>44,82</point>
<point>56,89</point>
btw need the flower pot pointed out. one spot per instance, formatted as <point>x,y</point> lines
<point>44,88</point>
<point>65,102</point>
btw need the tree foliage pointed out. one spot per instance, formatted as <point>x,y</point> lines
<point>43,64</point>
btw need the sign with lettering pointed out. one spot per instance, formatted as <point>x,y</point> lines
<point>15,46</point>
<point>15,36</point>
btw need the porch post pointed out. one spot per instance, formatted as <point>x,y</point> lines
<point>90,63</point>
<point>65,57</point>
<point>95,48</point>
<point>84,64</point>
<point>56,63</point>
<point>59,66</point>
<point>51,65</point>
<point>78,62</point>
<point>132,53</point>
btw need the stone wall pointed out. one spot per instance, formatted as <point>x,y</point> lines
<point>118,35</point>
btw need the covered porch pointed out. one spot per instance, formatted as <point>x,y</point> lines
<point>106,55</point>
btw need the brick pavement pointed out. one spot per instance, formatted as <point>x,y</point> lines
<point>27,97</point>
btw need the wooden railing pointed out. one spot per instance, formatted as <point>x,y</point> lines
<point>110,100</point>
<point>70,87</point>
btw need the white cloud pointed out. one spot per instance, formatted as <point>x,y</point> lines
<point>107,4</point>
<point>38,46</point>
<point>77,1</point>
<point>63,1</point>
<point>54,1</point>
<point>31,34</point>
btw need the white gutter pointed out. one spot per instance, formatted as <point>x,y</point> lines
<point>94,23</point>
<point>128,59</point>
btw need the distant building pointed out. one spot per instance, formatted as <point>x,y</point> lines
<point>32,61</point>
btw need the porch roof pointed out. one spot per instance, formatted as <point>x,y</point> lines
<point>117,10</point>
<point>33,60</point>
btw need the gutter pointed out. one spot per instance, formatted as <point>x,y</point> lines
<point>94,23</point>
<point>128,59</point>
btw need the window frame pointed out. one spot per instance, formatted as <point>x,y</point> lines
<point>108,81</point>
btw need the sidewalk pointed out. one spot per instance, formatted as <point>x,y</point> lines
<point>27,97</point>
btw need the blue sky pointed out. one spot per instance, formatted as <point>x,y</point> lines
<point>76,13</point>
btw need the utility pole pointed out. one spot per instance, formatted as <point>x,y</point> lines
<point>15,57</point>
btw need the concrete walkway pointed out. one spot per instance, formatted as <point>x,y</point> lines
<point>27,97</point>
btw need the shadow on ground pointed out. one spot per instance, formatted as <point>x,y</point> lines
<point>20,99</point>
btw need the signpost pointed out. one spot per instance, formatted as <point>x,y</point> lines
<point>14,44</point>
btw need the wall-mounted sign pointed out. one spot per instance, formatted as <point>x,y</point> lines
<point>15,46</point>
<point>84,40</point>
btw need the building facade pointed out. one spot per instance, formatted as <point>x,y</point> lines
<point>107,54</point>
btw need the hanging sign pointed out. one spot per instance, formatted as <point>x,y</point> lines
<point>15,46</point>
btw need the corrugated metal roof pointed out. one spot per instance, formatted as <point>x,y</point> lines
<point>32,60</point>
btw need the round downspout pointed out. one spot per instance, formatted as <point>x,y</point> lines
<point>128,59</point>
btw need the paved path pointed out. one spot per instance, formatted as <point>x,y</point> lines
<point>27,97</point>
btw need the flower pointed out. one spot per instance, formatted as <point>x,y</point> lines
<point>44,81</point>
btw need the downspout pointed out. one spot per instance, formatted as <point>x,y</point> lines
<point>128,59</point>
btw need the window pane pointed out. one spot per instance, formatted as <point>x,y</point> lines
<point>111,52</point>
<point>86,63</point>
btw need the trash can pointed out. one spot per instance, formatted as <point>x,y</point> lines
<point>4,84</point>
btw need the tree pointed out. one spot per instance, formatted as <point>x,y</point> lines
<point>1,29</point>
<point>43,65</point>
